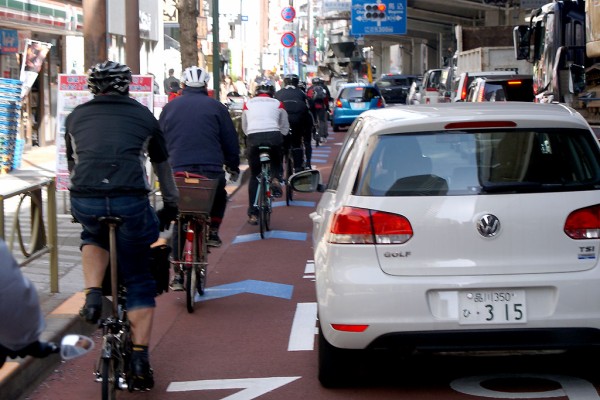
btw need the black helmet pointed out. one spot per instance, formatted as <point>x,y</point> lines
<point>291,79</point>
<point>302,86</point>
<point>109,77</point>
<point>265,87</point>
<point>317,81</point>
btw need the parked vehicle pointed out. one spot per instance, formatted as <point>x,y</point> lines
<point>430,235</point>
<point>394,87</point>
<point>354,99</point>
<point>437,86</point>
<point>562,42</point>
<point>502,88</point>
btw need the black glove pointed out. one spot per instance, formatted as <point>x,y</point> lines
<point>37,349</point>
<point>234,173</point>
<point>167,214</point>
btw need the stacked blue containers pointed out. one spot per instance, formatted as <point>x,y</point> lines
<point>11,150</point>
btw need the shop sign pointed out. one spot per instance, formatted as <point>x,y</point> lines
<point>9,41</point>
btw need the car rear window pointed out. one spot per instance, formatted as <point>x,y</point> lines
<point>359,93</point>
<point>475,162</point>
<point>510,90</point>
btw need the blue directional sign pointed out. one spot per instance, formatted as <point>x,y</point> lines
<point>378,17</point>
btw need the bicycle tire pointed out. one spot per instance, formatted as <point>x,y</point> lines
<point>109,379</point>
<point>190,254</point>
<point>262,207</point>
<point>289,171</point>
<point>190,287</point>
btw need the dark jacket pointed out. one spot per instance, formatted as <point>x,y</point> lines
<point>199,132</point>
<point>297,107</point>
<point>107,140</point>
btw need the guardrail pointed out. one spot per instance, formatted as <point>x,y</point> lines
<point>43,238</point>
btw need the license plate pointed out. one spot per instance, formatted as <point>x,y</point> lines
<point>499,306</point>
<point>358,106</point>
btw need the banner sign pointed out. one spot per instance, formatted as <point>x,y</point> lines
<point>33,57</point>
<point>9,41</point>
<point>73,91</point>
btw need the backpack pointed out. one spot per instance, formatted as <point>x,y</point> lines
<point>296,110</point>
<point>318,94</point>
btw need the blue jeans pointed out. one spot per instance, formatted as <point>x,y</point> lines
<point>139,229</point>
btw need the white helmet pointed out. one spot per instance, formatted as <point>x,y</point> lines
<point>195,77</point>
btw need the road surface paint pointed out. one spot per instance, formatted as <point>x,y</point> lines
<point>252,387</point>
<point>248,286</point>
<point>304,327</point>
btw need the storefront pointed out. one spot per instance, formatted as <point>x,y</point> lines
<point>53,25</point>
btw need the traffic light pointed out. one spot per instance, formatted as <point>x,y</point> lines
<point>375,11</point>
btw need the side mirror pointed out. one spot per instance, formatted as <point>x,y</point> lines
<point>576,79</point>
<point>308,181</point>
<point>73,346</point>
<point>521,42</point>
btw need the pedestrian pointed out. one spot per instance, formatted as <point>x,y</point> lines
<point>23,321</point>
<point>106,141</point>
<point>319,97</point>
<point>174,90</point>
<point>168,80</point>
<point>201,139</point>
<point>300,119</point>
<point>227,87</point>
<point>265,123</point>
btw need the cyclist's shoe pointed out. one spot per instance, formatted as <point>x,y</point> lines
<point>276,188</point>
<point>140,374</point>
<point>92,309</point>
<point>176,284</point>
<point>252,219</point>
<point>213,239</point>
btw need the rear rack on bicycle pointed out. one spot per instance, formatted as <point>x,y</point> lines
<point>196,192</point>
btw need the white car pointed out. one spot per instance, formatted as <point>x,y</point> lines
<point>457,227</point>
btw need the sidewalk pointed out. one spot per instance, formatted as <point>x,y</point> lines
<point>19,376</point>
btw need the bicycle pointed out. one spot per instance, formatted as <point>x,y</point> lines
<point>196,196</point>
<point>112,367</point>
<point>263,199</point>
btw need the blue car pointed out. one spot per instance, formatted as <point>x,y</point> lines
<point>352,100</point>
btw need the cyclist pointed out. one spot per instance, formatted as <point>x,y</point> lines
<point>265,123</point>
<point>106,141</point>
<point>20,310</point>
<point>319,97</point>
<point>201,138</point>
<point>298,111</point>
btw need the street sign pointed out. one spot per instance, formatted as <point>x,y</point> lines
<point>288,39</point>
<point>378,17</point>
<point>288,13</point>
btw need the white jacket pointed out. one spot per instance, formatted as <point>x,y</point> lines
<point>263,113</point>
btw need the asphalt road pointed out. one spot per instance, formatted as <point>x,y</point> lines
<point>253,334</point>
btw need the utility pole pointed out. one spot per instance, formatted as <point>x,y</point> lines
<point>132,31</point>
<point>216,49</point>
<point>95,36</point>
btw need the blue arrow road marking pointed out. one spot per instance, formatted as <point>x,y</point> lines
<point>294,202</point>
<point>301,236</point>
<point>248,286</point>
<point>318,161</point>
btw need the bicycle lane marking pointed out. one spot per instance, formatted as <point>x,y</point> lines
<point>252,387</point>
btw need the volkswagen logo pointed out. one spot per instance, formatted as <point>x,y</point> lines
<point>488,225</point>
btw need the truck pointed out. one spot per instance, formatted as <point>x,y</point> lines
<point>562,43</point>
<point>497,58</point>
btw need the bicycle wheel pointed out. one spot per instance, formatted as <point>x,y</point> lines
<point>262,207</point>
<point>189,253</point>
<point>289,171</point>
<point>109,379</point>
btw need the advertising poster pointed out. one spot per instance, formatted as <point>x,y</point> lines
<point>33,57</point>
<point>72,91</point>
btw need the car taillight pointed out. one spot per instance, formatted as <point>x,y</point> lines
<point>352,225</point>
<point>584,223</point>
<point>338,103</point>
<point>349,328</point>
<point>430,89</point>
<point>512,83</point>
<point>379,103</point>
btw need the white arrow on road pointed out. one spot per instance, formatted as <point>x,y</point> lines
<point>253,387</point>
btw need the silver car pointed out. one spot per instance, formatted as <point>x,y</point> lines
<point>457,227</point>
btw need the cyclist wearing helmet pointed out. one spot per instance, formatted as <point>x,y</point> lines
<point>298,111</point>
<point>106,141</point>
<point>265,123</point>
<point>319,96</point>
<point>201,139</point>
